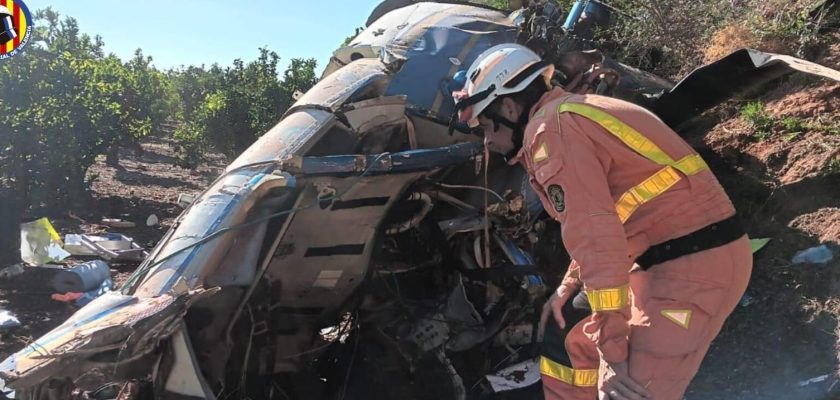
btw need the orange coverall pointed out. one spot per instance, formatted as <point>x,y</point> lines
<point>662,320</point>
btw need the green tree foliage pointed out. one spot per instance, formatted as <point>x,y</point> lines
<point>63,102</point>
<point>239,104</point>
<point>499,4</point>
<point>350,38</point>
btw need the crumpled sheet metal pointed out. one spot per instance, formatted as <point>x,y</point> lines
<point>396,32</point>
<point>736,73</point>
<point>45,356</point>
<point>112,322</point>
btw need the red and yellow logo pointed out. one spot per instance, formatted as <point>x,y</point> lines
<point>15,27</point>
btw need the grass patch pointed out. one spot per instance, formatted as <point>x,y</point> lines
<point>794,125</point>
<point>760,120</point>
<point>826,126</point>
<point>833,167</point>
<point>791,136</point>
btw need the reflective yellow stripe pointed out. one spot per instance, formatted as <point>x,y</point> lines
<point>611,299</point>
<point>656,184</point>
<point>575,377</point>
<point>645,191</point>
<point>629,136</point>
<point>691,164</point>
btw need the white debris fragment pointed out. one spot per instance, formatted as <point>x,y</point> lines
<point>8,320</point>
<point>118,223</point>
<point>816,379</point>
<point>184,200</point>
<point>40,243</point>
<point>516,376</point>
<point>153,220</point>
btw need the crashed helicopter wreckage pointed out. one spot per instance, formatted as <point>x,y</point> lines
<point>358,249</point>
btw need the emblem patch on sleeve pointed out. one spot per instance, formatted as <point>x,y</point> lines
<point>555,193</point>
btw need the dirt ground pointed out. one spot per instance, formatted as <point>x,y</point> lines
<point>786,187</point>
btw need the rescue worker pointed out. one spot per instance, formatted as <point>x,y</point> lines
<point>657,249</point>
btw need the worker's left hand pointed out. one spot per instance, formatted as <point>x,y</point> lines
<point>615,383</point>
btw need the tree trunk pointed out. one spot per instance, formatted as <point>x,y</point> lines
<point>9,227</point>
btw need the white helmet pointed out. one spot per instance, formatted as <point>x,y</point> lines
<point>498,71</point>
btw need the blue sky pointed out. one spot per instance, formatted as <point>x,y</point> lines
<point>184,32</point>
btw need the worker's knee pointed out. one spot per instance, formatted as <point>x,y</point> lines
<point>665,377</point>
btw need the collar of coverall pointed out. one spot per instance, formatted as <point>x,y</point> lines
<point>550,95</point>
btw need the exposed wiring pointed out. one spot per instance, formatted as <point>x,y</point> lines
<point>141,271</point>
<point>487,262</point>
<point>352,360</point>
<point>452,200</point>
<point>342,330</point>
<point>416,218</point>
<point>488,190</point>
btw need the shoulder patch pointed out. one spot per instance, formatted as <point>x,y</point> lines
<point>541,154</point>
<point>540,113</point>
<point>558,198</point>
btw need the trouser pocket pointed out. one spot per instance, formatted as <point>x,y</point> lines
<point>676,318</point>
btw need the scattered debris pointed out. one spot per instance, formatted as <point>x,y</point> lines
<point>516,376</point>
<point>816,379</point>
<point>67,297</point>
<point>11,272</point>
<point>76,217</point>
<point>82,278</point>
<point>108,246</point>
<point>81,299</point>
<point>118,223</point>
<point>815,255</point>
<point>184,200</point>
<point>82,283</point>
<point>746,300</point>
<point>758,244</point>
<point>40,243</point>
<point>8,320</point>
<point>152,220</point>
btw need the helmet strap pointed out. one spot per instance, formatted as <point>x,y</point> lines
<point>517,127</point>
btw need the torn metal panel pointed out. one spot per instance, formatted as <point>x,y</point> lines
<point>397,31</point>
<point>336,89</point>
<point>226,204</point>
<point>736,73</point>
<point>430,42</point>
<point>347,243</point>
<point>184,375</point>
<point>367,115</point>
<point>107,323</point>
<point>294,134</point>
<point>313,287</point>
